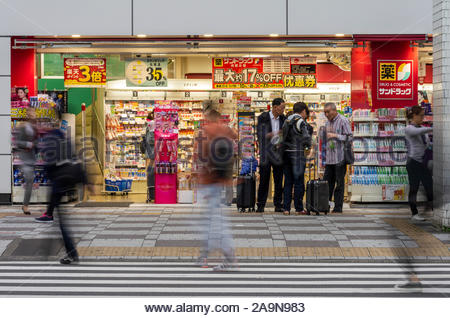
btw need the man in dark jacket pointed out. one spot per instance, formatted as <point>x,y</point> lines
<point>296,140</point>
<point>268,131</point>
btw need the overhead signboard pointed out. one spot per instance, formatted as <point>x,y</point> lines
<point>151,72</point>
<point>84,72</point>
<point>260,73</point>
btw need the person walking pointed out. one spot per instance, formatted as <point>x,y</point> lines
<point>337,131</point>
<point>149,151</point>
<point>268,132</point>
<point>65,174</point>
<point>26,148</point>
<point>296,139</point>
<point>216,151</point>
<point>417,141</point>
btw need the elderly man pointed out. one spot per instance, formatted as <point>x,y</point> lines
<point>337,131</point>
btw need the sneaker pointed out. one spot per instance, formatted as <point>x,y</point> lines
<point>69,260</point>
<point>409,287</point>
<point>226,267</point>
<point>417,217</point>
<point>44,219</point>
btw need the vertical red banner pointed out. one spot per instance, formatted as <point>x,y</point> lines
<point>394,74</point>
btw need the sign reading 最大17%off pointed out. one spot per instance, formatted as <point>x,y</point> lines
<point>151,72</point>
<point>84,72</point>
<point>248,73</point>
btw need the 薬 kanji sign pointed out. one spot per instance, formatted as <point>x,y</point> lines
<point>84,72</point>
<point>248,73</point>
<point>395,80</point>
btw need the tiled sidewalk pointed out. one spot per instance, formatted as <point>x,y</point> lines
<point>175,232</point>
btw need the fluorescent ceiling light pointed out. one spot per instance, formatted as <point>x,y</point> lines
<point>340,34</point>
<point>274,35</point>
<point>304,44</point>
<point>208,35</point>
<point>76,35</point>
<point>256,55</point>
<point>141,35</point>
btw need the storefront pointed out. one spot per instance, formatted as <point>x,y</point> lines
<point>122,80</point>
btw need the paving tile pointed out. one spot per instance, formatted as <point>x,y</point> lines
<point>124,242</point>
<point>345,244</point>
<point>312,243</point>
<point>377,243</point>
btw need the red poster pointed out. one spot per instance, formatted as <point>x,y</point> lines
<point>395,80</point>
<point>84,72</point>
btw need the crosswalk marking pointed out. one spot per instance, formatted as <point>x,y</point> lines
<point>184,279</point>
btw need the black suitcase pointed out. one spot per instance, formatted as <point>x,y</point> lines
<point>317,195</point>
<point>246,193</point>
<point>150,184</point>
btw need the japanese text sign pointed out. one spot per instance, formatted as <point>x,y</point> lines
<point>151,72</point>
<point>84,72</point>
<point>395,80</point>
<point>248,73</point>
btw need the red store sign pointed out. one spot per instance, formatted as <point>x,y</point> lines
<point>395,80</point>
<point>84,72</point>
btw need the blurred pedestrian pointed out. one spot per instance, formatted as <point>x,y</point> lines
<point>296,140</point>
<point>216,151</point>
<point>418,141</point>
<point>270,157</point>
<point>149,151</point>
<point>25,142</point>
<point>337,132</point>
<point>65,174</point>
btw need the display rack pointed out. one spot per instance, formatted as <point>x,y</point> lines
<point>379,173</point>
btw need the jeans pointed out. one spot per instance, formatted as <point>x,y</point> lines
<point>294,175</point>
<point>417,173</point>
<point>217,230</point>
<point>335,175</point>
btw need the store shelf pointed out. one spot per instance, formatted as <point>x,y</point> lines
<point>377,120</point>
<point>378,164</point>
<point>376,151</point>
<point>376,136</point>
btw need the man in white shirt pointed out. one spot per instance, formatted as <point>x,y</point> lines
<point>268,130</point>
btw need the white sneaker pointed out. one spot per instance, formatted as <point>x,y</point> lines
<point>417,217</point>
<point>331,204</point>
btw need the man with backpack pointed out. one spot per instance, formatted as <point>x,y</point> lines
<point>296,140</point>
<point>216,149</point>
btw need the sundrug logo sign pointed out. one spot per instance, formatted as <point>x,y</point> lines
<point>395,80</point>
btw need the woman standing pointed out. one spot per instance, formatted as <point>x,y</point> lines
<point>417,141</point>
<point>26,148</point>
<point>149,148</point>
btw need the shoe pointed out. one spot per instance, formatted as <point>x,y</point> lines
<point>337,211</point>
<point>409,287</point>
<point>279,209</point>
<point>417,217</point>
<point>44,219</point>
<point>302,212</point>
<point>286,212</point>
<point>226,267</point>
<point>25,211</point>
<point>69,260</point>
<point>260,209</point>
<point>202,262</point>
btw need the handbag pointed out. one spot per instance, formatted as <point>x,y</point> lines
<point>349,156</point>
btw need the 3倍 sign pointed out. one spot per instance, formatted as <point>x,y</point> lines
<point>84,72</point>
<point>395,80</point>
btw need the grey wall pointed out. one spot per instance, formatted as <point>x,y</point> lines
<point>231,17</point>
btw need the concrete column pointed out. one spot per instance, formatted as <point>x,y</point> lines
<point>5,120</point>
<point>441,111</point>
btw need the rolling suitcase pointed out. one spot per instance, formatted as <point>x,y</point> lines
<point>246,193</point>
<point>317,195</point>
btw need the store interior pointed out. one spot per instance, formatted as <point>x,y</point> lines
<point>115,114</point>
